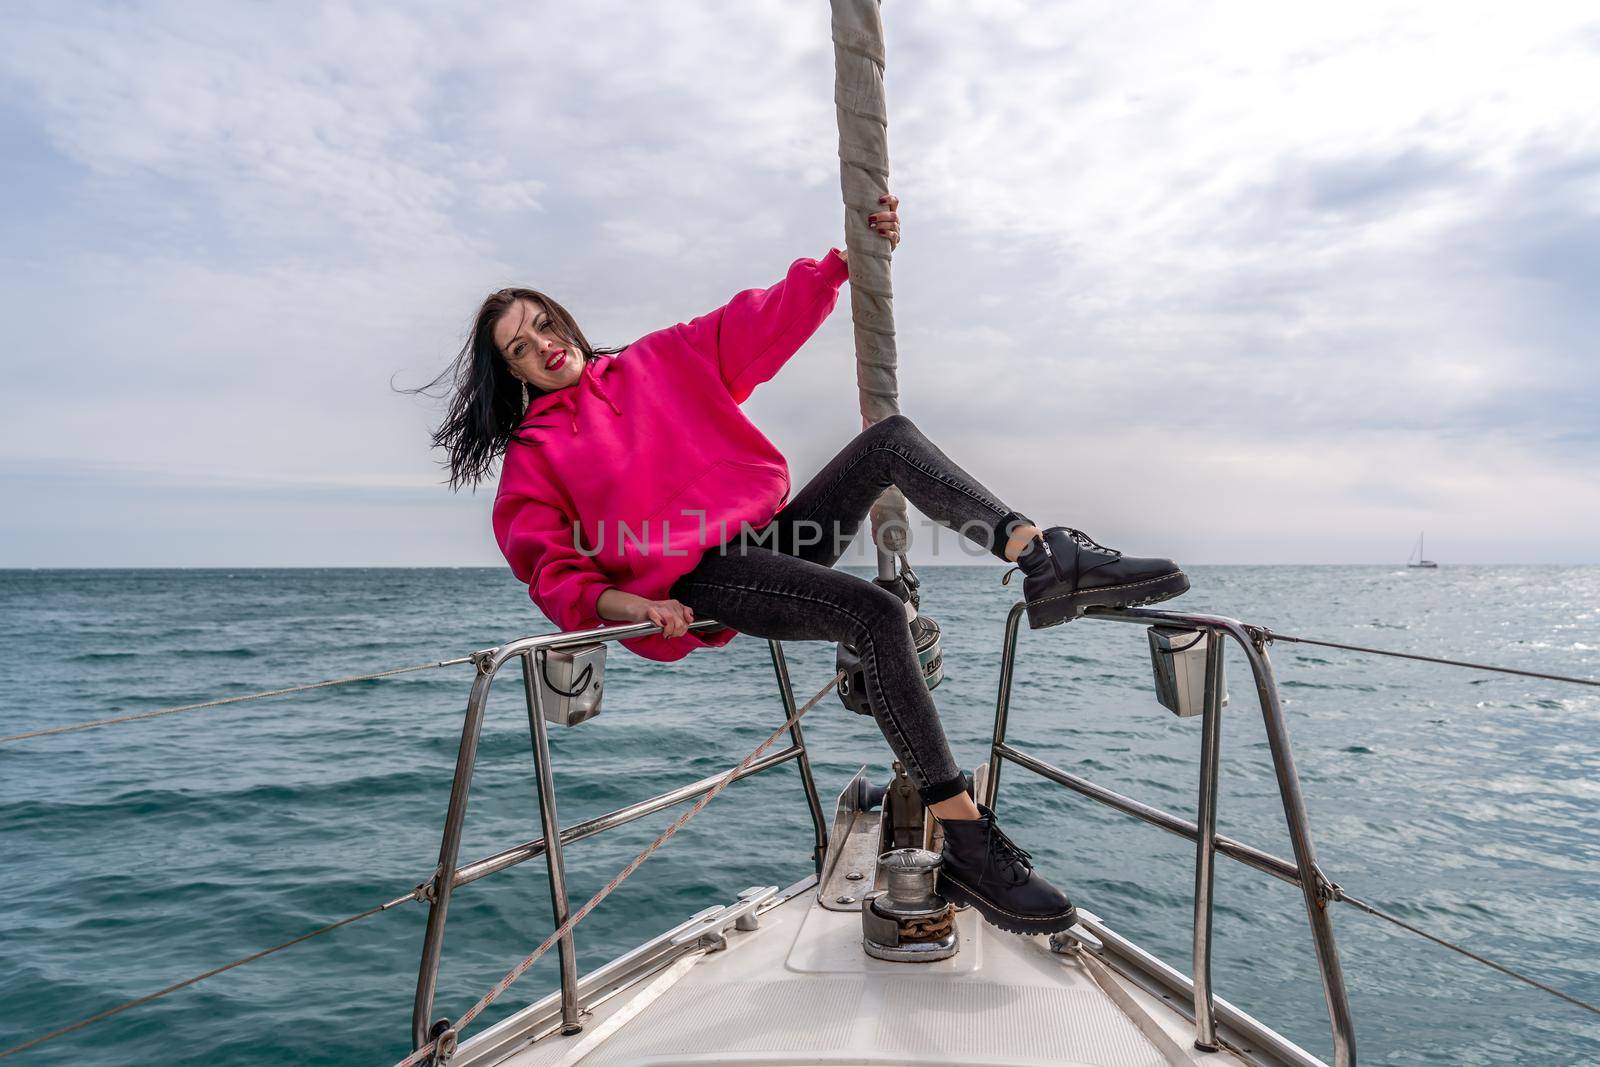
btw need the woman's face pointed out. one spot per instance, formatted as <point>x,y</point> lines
<point>534,352</point>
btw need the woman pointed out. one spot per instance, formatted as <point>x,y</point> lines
<point>633,489</point>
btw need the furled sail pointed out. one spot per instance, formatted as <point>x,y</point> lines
<point>858,57</point>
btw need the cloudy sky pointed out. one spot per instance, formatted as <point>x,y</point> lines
<point>1229,282</point>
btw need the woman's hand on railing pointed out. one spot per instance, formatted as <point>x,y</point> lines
<point>672,616</point>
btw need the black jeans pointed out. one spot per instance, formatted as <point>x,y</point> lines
<point>779,581</point>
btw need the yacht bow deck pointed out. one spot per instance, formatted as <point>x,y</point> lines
<point>800,990</point>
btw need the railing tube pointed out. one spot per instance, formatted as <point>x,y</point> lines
<point>1002,703</point>
<point>1317,891</point>
<point>1249,855</point>
<point>797,741</point>
<point>449,851</point>
<point>505,859</point>
<point>1205,1026</point>
<point>1313,883</point>
<point>532,661</point>
<point>447,875</point>
<point>444,876</point>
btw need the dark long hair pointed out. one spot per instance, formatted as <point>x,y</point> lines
<point>485,400</point>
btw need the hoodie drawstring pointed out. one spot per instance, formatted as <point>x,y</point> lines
<point>599,390</point>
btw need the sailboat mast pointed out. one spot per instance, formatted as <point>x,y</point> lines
<point>863,118</point>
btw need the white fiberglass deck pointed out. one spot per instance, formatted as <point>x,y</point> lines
<point>800,990</point>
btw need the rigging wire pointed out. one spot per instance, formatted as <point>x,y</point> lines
<point>417,894</point>
<point>1362,905</point>
<point>174,987</point>
<point>522,967</point>
<point>1271,635</point>
<point>158,712</point>
<point>1267,634</point>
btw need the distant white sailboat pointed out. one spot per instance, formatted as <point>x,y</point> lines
<point>1417,558</point>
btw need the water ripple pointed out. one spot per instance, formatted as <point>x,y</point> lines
<point>1462,801</point>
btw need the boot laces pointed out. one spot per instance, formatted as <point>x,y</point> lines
<point>1007,853</point>
<point>1078,536</point>
<point>1088,542</point>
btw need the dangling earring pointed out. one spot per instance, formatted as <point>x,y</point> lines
<point>524,398</point>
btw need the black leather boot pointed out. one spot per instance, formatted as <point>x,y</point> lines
<point>1065,571</point>
<point>984,868</point>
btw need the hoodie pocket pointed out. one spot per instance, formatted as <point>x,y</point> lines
<point>708,509</point>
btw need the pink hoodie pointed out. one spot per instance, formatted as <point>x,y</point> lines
<point>649,454</point>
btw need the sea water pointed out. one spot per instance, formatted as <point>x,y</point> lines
<point>136,855</point>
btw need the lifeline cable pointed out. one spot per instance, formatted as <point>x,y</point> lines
<point>413,895</point>
<point>1271,636</point>
<point>1502,968</point>
<point>454,1030</point>
<point>1267,634</point>
<point>158,712</point>
<point>174,987</point>
<point>528,961</point>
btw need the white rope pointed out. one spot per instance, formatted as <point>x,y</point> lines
<point>453,1033</point>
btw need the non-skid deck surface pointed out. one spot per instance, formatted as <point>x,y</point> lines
<point>801,991</point>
